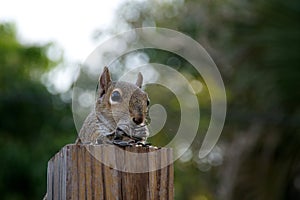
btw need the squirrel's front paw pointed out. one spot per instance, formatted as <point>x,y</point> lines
<point>123,143</point>
<point>105,139</point>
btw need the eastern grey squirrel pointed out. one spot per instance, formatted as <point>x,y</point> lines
<point>120,113</point>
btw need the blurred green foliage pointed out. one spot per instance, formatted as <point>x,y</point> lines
<point>34,124</point>
<point>255,44</point>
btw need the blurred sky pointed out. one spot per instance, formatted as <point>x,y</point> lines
<point>70,24</point>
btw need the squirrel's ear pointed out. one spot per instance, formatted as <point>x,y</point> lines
<point>104,81</point>
<point>139,81</point>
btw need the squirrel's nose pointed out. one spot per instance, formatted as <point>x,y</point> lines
<point>138,120</point>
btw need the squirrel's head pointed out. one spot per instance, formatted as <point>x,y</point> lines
<point>123,105</point>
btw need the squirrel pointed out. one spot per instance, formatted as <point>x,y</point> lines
<point>120,114</point>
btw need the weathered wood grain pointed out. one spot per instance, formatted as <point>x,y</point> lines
<point>108,172</point>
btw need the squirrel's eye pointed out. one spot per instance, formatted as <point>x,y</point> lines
<point>148,102</point>
<point>115,96</point>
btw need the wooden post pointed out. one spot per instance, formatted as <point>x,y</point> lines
<point>110,172</point>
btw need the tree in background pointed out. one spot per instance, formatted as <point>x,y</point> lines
<point>256,47</point>
<point>34,124</point>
